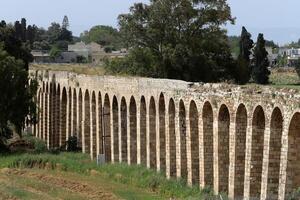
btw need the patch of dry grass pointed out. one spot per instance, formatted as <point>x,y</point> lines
<point>87,69</point>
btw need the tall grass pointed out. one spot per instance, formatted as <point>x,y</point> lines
<point>137,176</point>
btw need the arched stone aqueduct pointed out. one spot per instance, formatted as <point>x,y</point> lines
<point>238,140</point>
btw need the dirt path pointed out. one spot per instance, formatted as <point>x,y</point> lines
<point>32,184</point>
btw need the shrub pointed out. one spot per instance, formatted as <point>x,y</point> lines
<point>72,144</point>
<point>38,144</point>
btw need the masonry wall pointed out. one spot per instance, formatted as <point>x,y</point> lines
<point>243,141</point>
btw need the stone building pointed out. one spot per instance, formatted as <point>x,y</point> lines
<point>243,141</point>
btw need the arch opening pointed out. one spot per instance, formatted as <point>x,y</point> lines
<point>80,110</point>
<point>63,118</point>
<point>293,165</point>
<point>162,132</point>
<point>93,127</point>
<point>207,117</point>
<point>116,128</point>
<point>143,130</point>
<point>258,130</point>
<point>74,122</point>
<point>133,131</point>
<point>274,154</point>
<point>124,130</point>
<point>106,142</point>
<point>183,134</point>
<point>172,136</point>
<point>87,123</point>
<point>69,114</point>
<point>100,126</point>
<point>240,151</point>
<point>223,147</point>
<point>194,130</point>
<point>152,131</point>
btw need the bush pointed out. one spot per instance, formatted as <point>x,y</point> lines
<point>72,144</point>
<point>38,144</point>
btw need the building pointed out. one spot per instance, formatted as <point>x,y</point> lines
<point>41,57</point>
<point>80,48</point>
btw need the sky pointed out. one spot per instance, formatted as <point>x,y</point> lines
<point>279,20</point>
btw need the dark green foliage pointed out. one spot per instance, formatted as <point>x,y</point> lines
<point>243,68</point>
<point>81,59</point>
<point>72,144</point>
<point>260,72</point>
<point>243,72</point>
<point>57,35</point>
<point>65,23</point>
<point>104,35</point>
<point>38,144</point>
<point>295,195</point>
<point>246,44</point>
<point>178,39</point>
<point>297,66</point>
<point>16,103</point>
<point>14,46</point>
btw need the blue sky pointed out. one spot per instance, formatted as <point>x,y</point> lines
<point>279,20</point>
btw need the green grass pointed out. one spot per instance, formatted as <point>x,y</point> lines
<point>284,78</point>
<point>134,176</point>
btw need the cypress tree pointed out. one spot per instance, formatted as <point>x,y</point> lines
<point>243,72</point>
<point>260,72</point>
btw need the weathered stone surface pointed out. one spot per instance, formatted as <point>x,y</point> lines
<point>236,139</point>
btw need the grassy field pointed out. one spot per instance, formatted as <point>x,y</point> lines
<point>74,176</point>
<point>285,78</point>
<point>76,68</point>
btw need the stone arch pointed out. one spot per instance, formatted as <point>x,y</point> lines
<point>194,132</point>
<point>46,120</point>
<point>162,132</point>
<point>80,117</point>
<point>293,161</point>
<point>124,130</point>
<point>115,109</point>
<point>274,153</point>
<point>152,132</point>
<point>143,131</point>
<point>207,118</point>
<point>133,130</point>
<point>106,129</point>
<point>241,121</point>
<point>42,119</point>
<point>69,133</point>
<point>63,118</point>
<point>183,134</point>
<point>74,122</point>
<point>87,123</point>
<point>258,130</point>
<point>223,147</point>
<point>39,113</point>
<point>100,125</point>
<point>93,127</point>
<point>54,117</point>
<point>51,116</point>
<point>172,138</point>
<point>57,117</point>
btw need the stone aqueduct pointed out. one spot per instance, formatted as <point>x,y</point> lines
<point>240,140</point>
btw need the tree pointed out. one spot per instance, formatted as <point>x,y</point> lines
<point>243,73</point>
<point>182,39</point>
<point>54,32</point>
<point>260,72</point>
<point>65,23</point>
<point>16,102</point>
<point>13,44</point>
<point>103,35</point>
